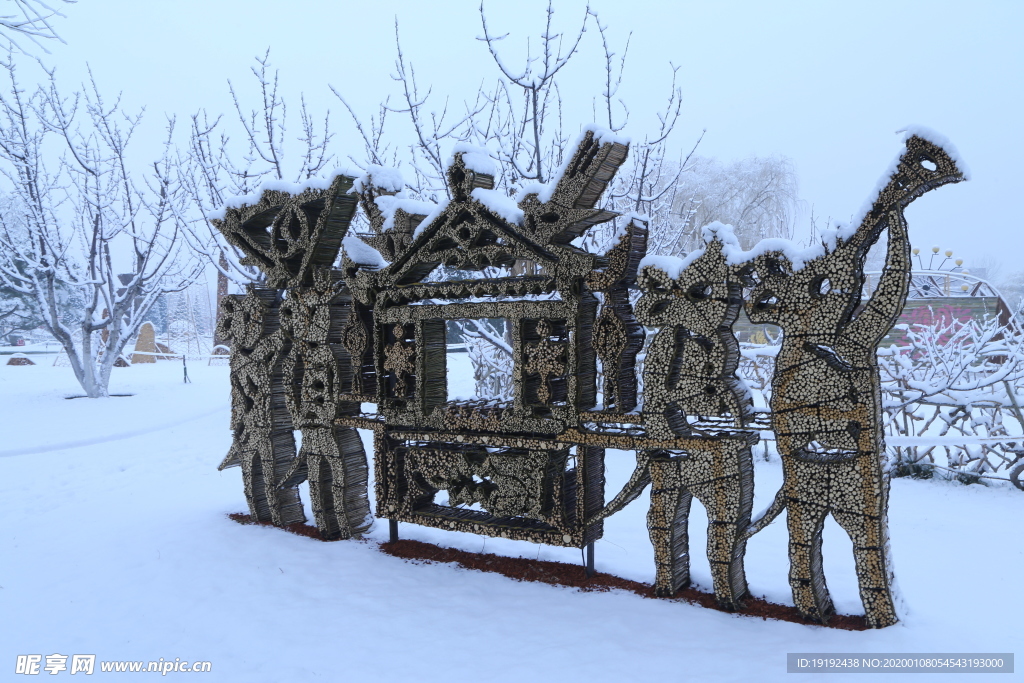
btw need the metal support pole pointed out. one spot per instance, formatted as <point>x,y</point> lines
<point>393,529</point>
<point>590,560</point>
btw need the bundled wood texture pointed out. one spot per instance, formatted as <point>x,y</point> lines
<point>826,392</point>
<point>316,343</point>
<point>292,364</point>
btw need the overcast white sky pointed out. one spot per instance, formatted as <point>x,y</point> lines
<point>826,84</point>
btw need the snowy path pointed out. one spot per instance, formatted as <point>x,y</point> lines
<point>122,548</point>
<point>46,448</point>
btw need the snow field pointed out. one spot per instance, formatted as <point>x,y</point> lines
<point>116,543</point>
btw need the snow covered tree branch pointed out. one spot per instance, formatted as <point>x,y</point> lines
<point>32,19</point>
<point>216,166</point>
<point>79,220</point>
<point>950,361</point>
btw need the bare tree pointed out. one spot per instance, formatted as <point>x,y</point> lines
<point>517,120</point>
<point>220,167</point>
<point>32,19</point>
<point>78,219</point>
<point>529,136</point>
<point>527,128</point>
<point>434,130</point>
<point>756,195</point>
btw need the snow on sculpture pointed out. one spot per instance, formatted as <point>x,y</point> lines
<point>826,392</point>
<point>531,466</point>
<point>690,386</point>
<point>290,364</point>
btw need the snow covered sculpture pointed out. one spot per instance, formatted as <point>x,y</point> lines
<point>438,455</point>
<point>289,231</point>
<point>530,465</point>
<point>292,364</point>
<point>691,391</point>
<point>690,370</point>
<point>826,407</point>
<point>618,336</point>
<point>263,444</point>
<point>689,378</point>
<point>318,368</point>
<point>392,218</point>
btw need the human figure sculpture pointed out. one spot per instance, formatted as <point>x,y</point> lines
<point>690,370</point>
<point>826,392</point>
<point>332,458</point>
<point>689,383</point>
<point>618,337</point>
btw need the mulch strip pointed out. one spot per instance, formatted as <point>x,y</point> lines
<point>572,576</point>
<point>299,528</point>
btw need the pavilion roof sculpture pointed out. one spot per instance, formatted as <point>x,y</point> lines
<point>318,341</point>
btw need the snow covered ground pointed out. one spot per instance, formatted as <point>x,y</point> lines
<point>116,542</point>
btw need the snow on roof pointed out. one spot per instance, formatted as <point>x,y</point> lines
<point>476,159</point>
<point>362,253</point>
<point>431,217</point>
<point>388,179</point>
<point>603,135</point>
<point>493,200</point>
<point>321,183</point>
<point>389,204</point>
<point>545,191</point>
<point>499,204</point>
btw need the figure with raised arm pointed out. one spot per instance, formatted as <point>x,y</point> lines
<point>826,393</point>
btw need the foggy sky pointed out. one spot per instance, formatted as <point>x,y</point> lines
<point>824,83</point>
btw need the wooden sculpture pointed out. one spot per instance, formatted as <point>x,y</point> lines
<point>691,388</point>
<point>826,393</point>
<point>321,338</point>
<point>290,364</point>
